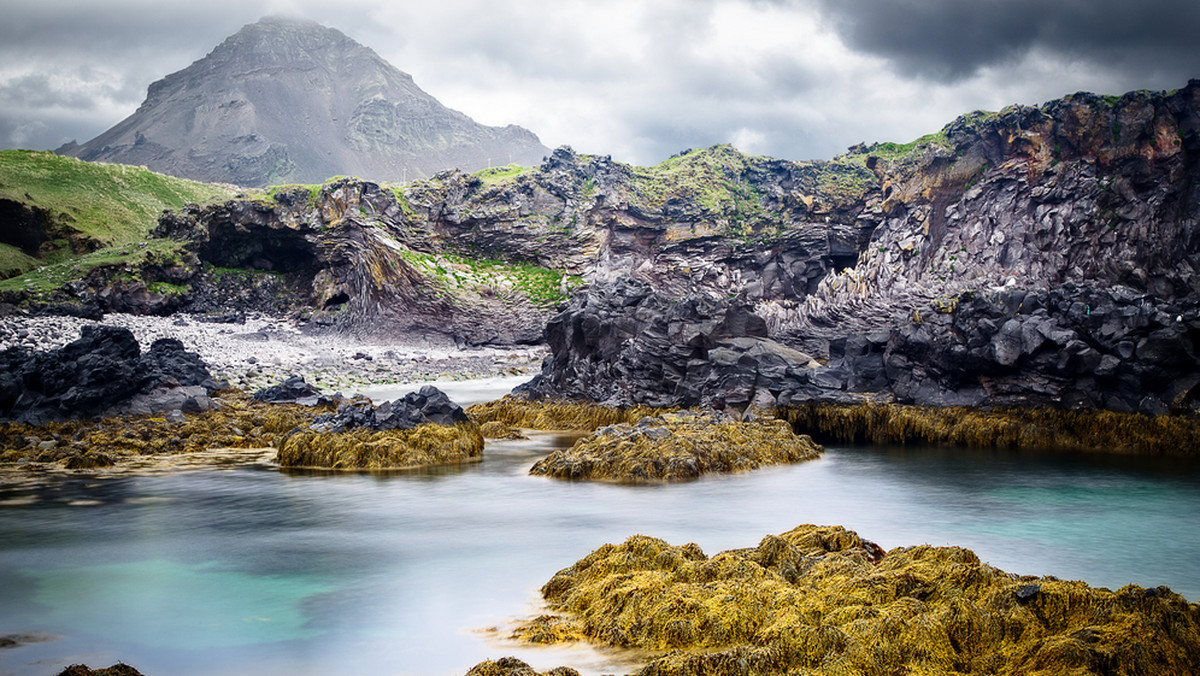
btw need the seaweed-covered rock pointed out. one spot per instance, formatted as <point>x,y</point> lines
<point>552,414</point>
<point>822,600</point>
<point>511,666</point>
<point>237,422</point>
<point>676,447</point>
<point>366,449</point>
<point>494,429</point>
<point>421,429</point>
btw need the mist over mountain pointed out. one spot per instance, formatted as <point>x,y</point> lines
<point>291,101</point>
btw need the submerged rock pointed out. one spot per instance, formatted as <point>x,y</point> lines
<point>822,600</point>
<point>677,447</point>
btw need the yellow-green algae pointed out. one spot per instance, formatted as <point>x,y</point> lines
<point>494,429</point>
<point>678,446</point>
<point>1039,428</point>
<point>548,414</point>
<point>359,449</point>
<point>511,666</point>
<point>823,601</point>
<point>237,422</point>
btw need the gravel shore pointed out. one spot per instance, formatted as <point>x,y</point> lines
<point>263,350</point>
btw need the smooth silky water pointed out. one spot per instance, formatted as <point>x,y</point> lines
<point>249,569</point>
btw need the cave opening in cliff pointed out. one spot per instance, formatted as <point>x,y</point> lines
<point>274,252</point>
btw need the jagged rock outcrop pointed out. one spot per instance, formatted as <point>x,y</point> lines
<point>1039,256</point>
<point>1073,347</point>
<point>346,257</point>
<point>427,405</point>
<point>625,344</point>
<point>103,372</point>
<point>291,101</point>
<point>293,390</point>
<point>893,266</point>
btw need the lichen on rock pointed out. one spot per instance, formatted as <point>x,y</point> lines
<point>678,446</point>
<point>822,600</point>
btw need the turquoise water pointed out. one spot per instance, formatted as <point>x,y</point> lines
<point>254,570</point>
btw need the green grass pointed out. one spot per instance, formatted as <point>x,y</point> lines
<point>13,261</point>
<point>111,205</point>
<point>47,277</point>
<point>892,152</point>
<point>457,275</point>
<point>495,175</point>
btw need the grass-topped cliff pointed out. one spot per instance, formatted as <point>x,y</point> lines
<point>66,216</point>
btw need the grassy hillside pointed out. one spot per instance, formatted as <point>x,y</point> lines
<point>98,206</point>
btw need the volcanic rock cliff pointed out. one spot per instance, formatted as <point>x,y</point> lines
<point>291,101</point>
<point>1042,255</point>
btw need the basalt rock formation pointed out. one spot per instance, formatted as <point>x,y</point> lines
<point>1041,256</point>
<point>285,101</point>
<point>103,372</point>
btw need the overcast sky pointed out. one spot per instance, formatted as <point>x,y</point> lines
<point>637,79</point>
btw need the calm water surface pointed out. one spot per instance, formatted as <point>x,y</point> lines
<point>254,570</point>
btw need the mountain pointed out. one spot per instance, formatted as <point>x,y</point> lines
<point>291,101</point>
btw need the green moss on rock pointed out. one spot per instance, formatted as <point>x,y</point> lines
<point>822,600</point>
<point>677,447</point>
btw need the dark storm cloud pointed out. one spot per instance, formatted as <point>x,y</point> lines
<point>951,40</point>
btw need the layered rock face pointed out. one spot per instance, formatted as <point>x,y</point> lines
<point>284,101</point>
<point>348,256</point>
<point>1039,256</point>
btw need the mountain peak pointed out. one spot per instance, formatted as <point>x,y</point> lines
<point>287,100</point>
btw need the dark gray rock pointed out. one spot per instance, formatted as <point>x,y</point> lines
<point>102,372</point>
<point>624,344</point>
<point>428,405</point>
<point>293,390</point>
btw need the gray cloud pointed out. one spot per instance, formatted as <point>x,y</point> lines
<point>952,40</point>
<point>791,78</point>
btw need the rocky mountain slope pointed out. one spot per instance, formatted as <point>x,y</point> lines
<point>284,101</point>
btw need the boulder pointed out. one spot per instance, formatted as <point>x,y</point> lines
<point>101,373</point>
<point>293,390</point>
<point>428,405</point>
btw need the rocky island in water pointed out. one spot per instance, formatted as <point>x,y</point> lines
<point>1022,279</point>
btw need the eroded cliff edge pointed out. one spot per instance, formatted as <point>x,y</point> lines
<point>1041,255</point>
